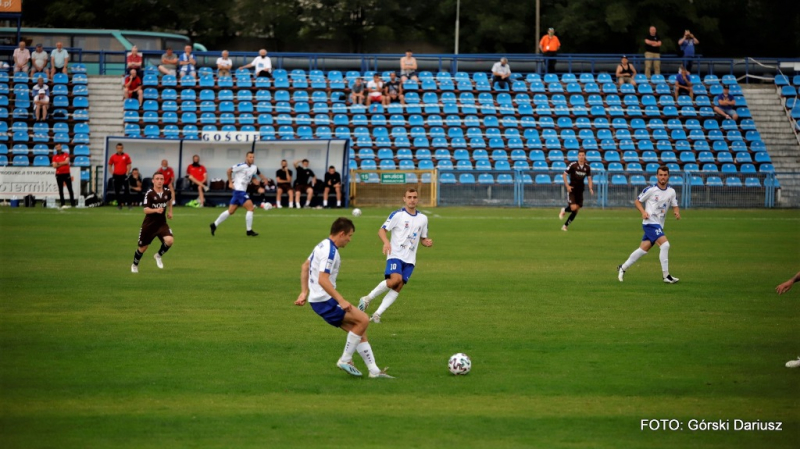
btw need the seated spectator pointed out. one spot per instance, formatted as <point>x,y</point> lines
<point>198,178</point>
<point>40,86</point>
<point>169,63</point>
<point>134,60</point>
<point>374,89</point>
<point>625,72</point>
<point>408,67</point>
<point>332,181</point>
<point>22,58</point>
<point>262,64</point>
<point>500,73</point>
<point>59,60</point>
<point>393,91</point>
<point>357,92</point>
<point>283,177</point>
<point>135,187</point>
<point>224,64</point>
<point>40,105</point>
<point>133,87</point>
<point>187,62</point>
<point>39,60</point>
<point>725,104</point>
<point>304,183</point>
<point>683,83</point>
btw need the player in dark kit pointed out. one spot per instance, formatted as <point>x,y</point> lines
<point>574,177</point>
<point>157,201</point>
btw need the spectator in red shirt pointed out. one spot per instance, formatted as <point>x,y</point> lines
<point>198,176</point>
<point>61,164</point>
<point>133,87</point>
<point>169,176</point>
<point>121,164</point>
<point>134,60</point>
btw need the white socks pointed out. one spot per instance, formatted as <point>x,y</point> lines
<point>353,342</point>
<point>379,290</point>
<point>633,258</point>
<point>664,257</point>
<point>222,217</point>
<point>369,358</point>
<point>387,301</point>
<point>248,219</point>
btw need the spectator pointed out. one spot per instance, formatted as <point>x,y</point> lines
<point>187,62</point>
<point>725,104</point>
<point>500,73</point>
<point>121,164</point>
<point>393,91</point>
<point>357,92</point>
<point>683,83</point>
<point>625,72</point>
<point>652,53</point>
<point>169,63</point>
<point>134,60</point>
<point>135,187</point>
<point>61,164</point>
<point>39,60</point>
<point>687,43</point>
<point>59,60</point>
<point>374,89</point>
<point>198,177</point>
<point>304,183</point>
<point>224,64</point>
<point>40,86</point>
<point>40,105</point>
<point>332,181</point>
<point>133,87</point>
<point>408,67</point>
<point>169,175</point>
<point>262,64</point>
<point>549,45</point>
<point>21,58</point>
<point>283,177</point>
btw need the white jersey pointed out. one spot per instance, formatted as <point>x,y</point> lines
<point>407,230</point>
<point>656,201</point>
<point>324,259</point>
<point>242,175</point>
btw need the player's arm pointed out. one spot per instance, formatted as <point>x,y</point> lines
<point>230,177</point>
<point>301,299</point>
<point>129,169</point>
<point>591,186</point>
<point>325,283</point>
<point>169,203</point>
<point>639,206</point>
<point>387,245</point>
<point>786,286</point>
<point>676,210</point>
<point>566,182</point>
<point>264,179</point>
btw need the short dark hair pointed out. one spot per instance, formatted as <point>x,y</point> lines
<point>304,160</point>
<point>581,150</point>
<point>332,167</point>
<point>120,144</point>
<point>662,168</point>
<point>411,190</point>
<point>342,224</point>
<point>158,173</point>
<point>249,152</point>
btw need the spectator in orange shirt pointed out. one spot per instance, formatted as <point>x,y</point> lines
<point>197,175</point>
<point>549,45</point>
<point>133,87</point>
<point>134,60</point>
<point>121,164</point>
<point>61,164</point>
<point>169,176</point>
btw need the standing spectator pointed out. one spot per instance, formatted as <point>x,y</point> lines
<point>283,177</point>
<point>121,164</point>
<point>198,176</point>
<point>652,53</point>
<point>500,73</point>
<point>357,92</point>
<point>39,60</point>
<point>332,181</point>
<point>304,183</point>
<point>393,91</point>
<point>725,104</point>
<point>169,175</point>
<point>187,62</point>
<point>687,43</point>
<point>61,164</point>
<point>374,89</point>
<point>169,63</point>
<point>134,60</point>
<point>21,58</point>
<point>683,83</point>
<point>224,64</point>
<point>133,87</point>
<point>135,187</point>
<point>40,105</point>
<point>549,45</point>
<point>262,64</point>
<point>38,87</point>
<point>625,72</point>
<point>408,67</point>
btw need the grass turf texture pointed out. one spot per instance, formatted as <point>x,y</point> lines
<point>210,352</point>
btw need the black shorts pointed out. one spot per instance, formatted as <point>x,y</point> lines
<point>301,187</point>
<point>285,186</point>
<point>149,231</point>
<point>576,197</point>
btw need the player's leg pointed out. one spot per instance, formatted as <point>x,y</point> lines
<point>641,251</point>
<point>393,266</point>
<point>145,237</point>
<point>574,208</point>
<point>338,188</point>
<point>68,182</point>
<point>165,235</point>
<point>296,197</point>
<point>60,181</point>
<point>248,218</point>
<point>663,256</point>
<point>355,323</point>
<point>325,193</point>
<point>309,195</point>
<point>396,282</point>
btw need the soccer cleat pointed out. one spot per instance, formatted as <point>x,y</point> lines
<point>564,228</point>
<point>157,257</point>
<point>376,318</point>
<point>561,213</point>
<point>363,303</point>
<point>381,374</point>
<point>134,268</point>
<point>213,228</point>
<point>620,273</point>
<point>252,233</point>
<point>793,363</point>
<point>670,280</point>
<point>349,367</point>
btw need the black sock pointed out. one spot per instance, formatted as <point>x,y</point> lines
<point>567,209</point>
<point>571,217</point>
<point>164,249</point>
<point>137,256</point>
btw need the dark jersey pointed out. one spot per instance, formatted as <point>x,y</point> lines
<point>578,174</point>
<point>304,176</point>
<point>283,174</point>
<point>332,179</point>
<point>155,200</point>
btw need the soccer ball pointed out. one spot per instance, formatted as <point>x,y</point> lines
<point>266,206</point>
<point>459,364</point>
<point>356,212</point>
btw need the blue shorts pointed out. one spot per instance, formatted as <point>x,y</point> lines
<point>400,267</point>
<point>330,311</point>
<point>652,232</point>
<point>239,198</point>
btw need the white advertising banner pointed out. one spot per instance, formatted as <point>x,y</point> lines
<point>36,181</point>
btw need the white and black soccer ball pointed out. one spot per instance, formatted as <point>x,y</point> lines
<point>266,206</point>
<point>459,364</point>
<point>356,212</point>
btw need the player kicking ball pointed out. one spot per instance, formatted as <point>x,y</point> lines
<point>157,201</point>
<point>653,203</point>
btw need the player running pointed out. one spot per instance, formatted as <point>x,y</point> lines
<point>156,201</point>
<point>239,177</point>
<point>653,203</point>
<point>574,177</point>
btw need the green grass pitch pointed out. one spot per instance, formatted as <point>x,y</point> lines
<point>210,352</point>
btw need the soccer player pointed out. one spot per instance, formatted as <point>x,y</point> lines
<point>653,203</point>
<point>156,201</point>
<point>318,286</point>
<point>409,228</point>
<point>574,178</point>
<point>781,289</point>
<point>239,177</point>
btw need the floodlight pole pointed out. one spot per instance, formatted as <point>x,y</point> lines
<point>538,31</point>
<point>458,16</point>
